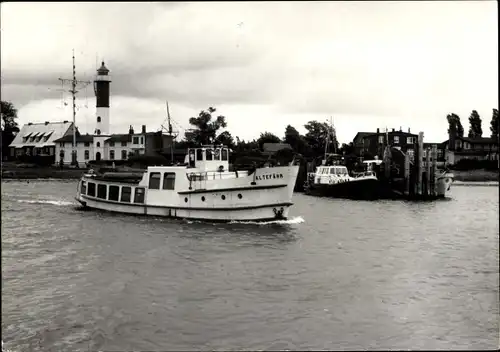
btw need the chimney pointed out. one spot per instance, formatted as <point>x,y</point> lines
<point>30,123</point>
<point>393,130</point>
<point>65,121</point>
<point>378,130</point>
<point>409,130</point>
<point>143,129</point>
<point>46,123</point>
<point>400,128</point>
<point>131,130</point>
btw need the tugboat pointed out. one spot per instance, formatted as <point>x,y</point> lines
<point>202,188</point>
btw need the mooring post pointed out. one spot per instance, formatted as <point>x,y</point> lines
<point>434,170</point>
<point>428,172</point>
<point>420,162</point>
<point>407,174</point>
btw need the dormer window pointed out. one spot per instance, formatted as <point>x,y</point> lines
<point>98,144</point>
<point>98,118</point>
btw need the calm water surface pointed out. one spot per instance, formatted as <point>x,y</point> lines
<point>340,275</point>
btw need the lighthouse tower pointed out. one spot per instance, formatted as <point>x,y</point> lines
<point>101,90</point>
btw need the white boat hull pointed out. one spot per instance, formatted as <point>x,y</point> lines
<point>263,196</point>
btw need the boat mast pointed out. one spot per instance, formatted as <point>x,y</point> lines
<point>170,134</point>
<point>73,92</point>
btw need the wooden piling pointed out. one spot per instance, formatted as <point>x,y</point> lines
<point>407,174</point>
<point>419,162</point>
<point>428,157</point>
<point>434,170</point>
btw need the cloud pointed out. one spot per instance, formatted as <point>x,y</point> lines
<point>370,63</point>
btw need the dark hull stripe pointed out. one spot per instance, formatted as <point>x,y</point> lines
<point>231,189</point>
<point>248,207</point>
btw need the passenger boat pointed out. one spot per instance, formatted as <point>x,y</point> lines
<point>202,188</point>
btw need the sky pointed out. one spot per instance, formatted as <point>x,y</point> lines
<point>263,65</point>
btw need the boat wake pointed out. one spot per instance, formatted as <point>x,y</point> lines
<point>292,221</point>
<point>41,201</point>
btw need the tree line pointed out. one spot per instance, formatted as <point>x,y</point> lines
<point>206,125</point>
<point>475,125</point>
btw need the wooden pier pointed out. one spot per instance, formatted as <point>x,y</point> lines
<point>411,179</point>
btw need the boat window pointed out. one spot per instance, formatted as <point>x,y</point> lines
<point>224,154</point>
<point>114,193</point>
<point>209,154</point>
<point>101,191</point>
<point>154,180</point>
<point>83,187</point>
<point>199,154</point>
<point>169,180</point>
<point>91,189</point>
<point>217,154</point>
<point>139,195</point>
<point>126,192</point>
<point>332,171</point>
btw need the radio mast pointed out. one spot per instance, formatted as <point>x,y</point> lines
<point>74,82</point>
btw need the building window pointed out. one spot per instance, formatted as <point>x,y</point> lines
<point>98,144</point>
<point>380,139</point>
<point>139,195</point>
<point>87,155</point>
<point>101,191</point>
<point>124,144</point>
<point>224,154</point>
<point>396,139</point>
<point>124,155</point>
<point>409,140</point>
<point>111,144</point>
<point>111,155</point>
<point>154,180</point>
<point>126,194</point>
<point>114,192</point>
<point>86,144</point>
<point>142,140</point>
<point>61,144</point>
<point>440,153</point>
<point>98,131</point>
<point>83,187</point>
<point>135,140</point>
<point>169,180</point>
<point>98,118</point>
<point>91,189</point>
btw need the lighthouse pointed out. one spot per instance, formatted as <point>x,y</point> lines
<point>101,90</point>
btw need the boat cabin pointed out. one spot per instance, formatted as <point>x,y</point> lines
<point>208,158</point>
<point>332,170</point>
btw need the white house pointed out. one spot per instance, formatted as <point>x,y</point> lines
<point>39,138</point>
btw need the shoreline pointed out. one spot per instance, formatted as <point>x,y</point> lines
<point>462,178</point>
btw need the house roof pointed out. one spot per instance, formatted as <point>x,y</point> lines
<point>271,148</point>
<point>361,135</point>
<point>80,138</point>
<point>119,138</point>
<point>52,130</point>
<point>480,140</point>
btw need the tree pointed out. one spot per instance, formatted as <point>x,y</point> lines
<point>494,124</point>
<point>475,130</point>
<point>267,137</point>
<point>205,129</point>
<point>9,125</point>
<point>316,137</point>
<point>226,139</point>
<point>296,141</point>
<point>347,149</point>
<point>455,127</point>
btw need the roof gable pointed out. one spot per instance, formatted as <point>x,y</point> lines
<point>40,134</point>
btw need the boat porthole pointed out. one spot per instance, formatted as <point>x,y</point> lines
<point>185,200</point>
<point>240,196</point>
<point>223,197</point>
<point>203,198</point>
